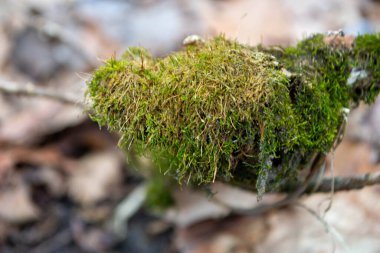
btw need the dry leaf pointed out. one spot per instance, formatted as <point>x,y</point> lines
<point>16,205</point>
<point>234,234</point>
<point>96,176</point>
<point>237,198</point>
<point>354,215</point>
<point>192,207</point>
<point>92,239</point>
<point>36,119</point>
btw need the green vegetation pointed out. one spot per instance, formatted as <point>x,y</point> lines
<point>222,110</point>
<point>158,197</point>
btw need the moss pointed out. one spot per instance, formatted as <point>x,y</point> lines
<point>222,110</point>
<point>159,193</point>
<point>327,69</point>
<point>367,58</point>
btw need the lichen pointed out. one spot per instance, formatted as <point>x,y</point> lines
<point>221,110</point>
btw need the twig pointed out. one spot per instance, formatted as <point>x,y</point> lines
<point>338,140</point>
<point>317,186</point>
<point>332,188</point>
<point>335,235</point>
<point>127,208</point>
<point>325,186</point>
<point>346,183</point>
<point>316,163</point>
<point>34,91</point>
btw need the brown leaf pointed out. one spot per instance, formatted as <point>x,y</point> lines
<point>95,178</point>
<point>16,205</point>
<point>92,239</point>
<point>36,119</point>
<point>192,207</point>
<point>237,198</point>
<point>354,215</point>
<point>234,234</point>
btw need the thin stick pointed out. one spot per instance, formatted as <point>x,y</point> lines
<point>127,208</point>
<point>332,183</point>
<point>34,91</point>
<point>325,186</point>
<point>335,235</point>
<point>314,166</point>
<point>346,183</point>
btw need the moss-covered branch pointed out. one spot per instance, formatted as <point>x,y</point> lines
<point>217,109</point>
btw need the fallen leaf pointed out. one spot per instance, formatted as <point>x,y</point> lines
<point>233,234</point>
<point>92,239</point>
<point>97,175</point>
<point>16,206</point>
<point>237,198</point>
<point>37,118</point>
<point>53,180</point>
<point>353,215</point>
<point>192,207</point>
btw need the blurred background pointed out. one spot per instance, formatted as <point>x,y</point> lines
<point>64,184</point>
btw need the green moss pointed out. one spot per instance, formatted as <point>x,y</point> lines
<point>158,195</point>
<point>222,110</point>
<point>367,58</point>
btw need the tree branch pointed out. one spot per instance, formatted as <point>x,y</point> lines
<point>34,91</point>
<point>318,186</point>
<point>344,183</point>
<point>323,186</point>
